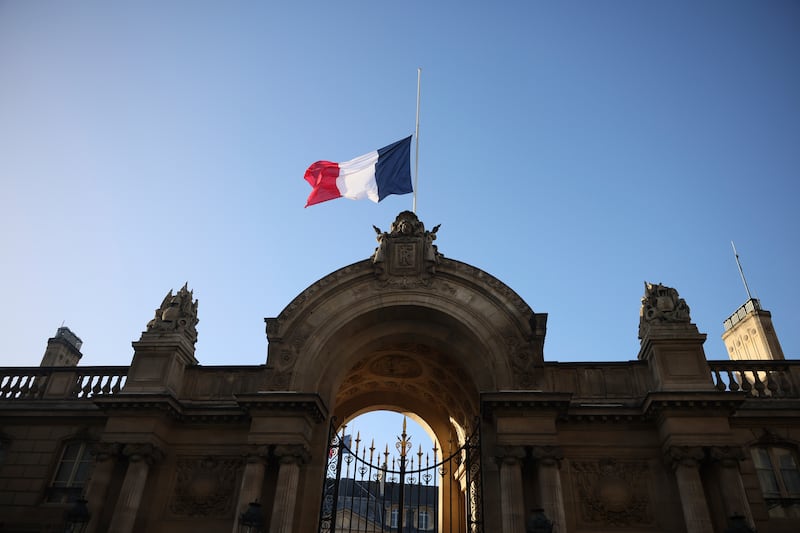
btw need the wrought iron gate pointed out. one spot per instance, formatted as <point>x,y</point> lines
<point>368,490</point>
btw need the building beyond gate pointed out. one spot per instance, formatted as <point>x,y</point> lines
<point>669,442</point>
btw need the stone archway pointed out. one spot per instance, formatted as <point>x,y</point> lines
<point>407,329</point>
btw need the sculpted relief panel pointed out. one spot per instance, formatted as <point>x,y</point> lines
<point>613,493</point>
<point>205,487</point>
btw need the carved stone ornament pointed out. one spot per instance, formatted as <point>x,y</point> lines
<point>662,304</point>
<point>685,456</point>
<point>143,451</point>
<point>205,487</point>
<point>178,313</point>
<point>296,454</point>
<point>406,251</point>
<point>614,493</point>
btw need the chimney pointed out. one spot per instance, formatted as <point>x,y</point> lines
<point>62,350</point>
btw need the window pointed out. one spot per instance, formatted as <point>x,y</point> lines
<point>779,476</point>
<point>423,519</point>
<point>71,473</point>
<point>395,517</point>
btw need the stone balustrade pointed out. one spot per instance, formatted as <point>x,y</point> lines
<point>759,379</point>
<point>58,383</point>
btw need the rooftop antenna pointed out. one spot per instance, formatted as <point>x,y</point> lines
<point>741,272</point>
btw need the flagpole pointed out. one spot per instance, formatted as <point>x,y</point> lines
<point>741,272</point>
<point>416,136</point>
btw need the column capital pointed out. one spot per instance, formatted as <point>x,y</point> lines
<point>292,454</point>
<point>690,456</point>
<point>509,455</point>
<point>548,455</point>
<point>727,456</point>
<point>103,451</point>
<point>143,451</point>
<point>256,453</point>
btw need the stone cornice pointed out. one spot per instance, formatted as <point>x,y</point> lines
<point>691,403</point>
<point>166,405</point>
<point>284,404</point>
<point>243,408</point>
<point>519,402</point>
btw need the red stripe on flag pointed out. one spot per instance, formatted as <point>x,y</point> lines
<point>322,177</point>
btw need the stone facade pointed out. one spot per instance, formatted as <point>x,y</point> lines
<point>669,442</point>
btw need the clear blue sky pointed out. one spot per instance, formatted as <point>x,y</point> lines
<point>571,149</point>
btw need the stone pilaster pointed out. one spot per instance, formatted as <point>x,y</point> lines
<point>548,464</point>
<point>140,457</point>
<point>252,482</point>
<point>509,459</point>
<point>686,462</point>
<point>734,497</point>
<point>105,458</point>
<point>291,458</point>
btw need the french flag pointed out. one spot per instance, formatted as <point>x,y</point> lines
<point>375,175</point>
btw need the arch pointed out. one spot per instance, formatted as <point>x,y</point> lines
<point>406,315</point>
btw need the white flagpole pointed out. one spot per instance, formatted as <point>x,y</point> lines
<point>416,137</point>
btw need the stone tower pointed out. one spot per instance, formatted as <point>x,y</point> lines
<point>62,350</point>
<point>749,333</point>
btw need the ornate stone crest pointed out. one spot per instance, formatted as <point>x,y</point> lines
<point>205,487</point>
<point>406,251</point>
<point>661,304</point>
<point>613,493</point>
<point>178,313</point>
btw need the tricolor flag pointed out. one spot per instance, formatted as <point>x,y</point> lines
<point>375,175</point>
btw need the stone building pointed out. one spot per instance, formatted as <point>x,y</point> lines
<point>669,442</point>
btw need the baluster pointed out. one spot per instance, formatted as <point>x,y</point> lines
<point>117,385</point>
<point>12,386</point>
<point>733,382</point>
<point>76,386</point>
<point>773,385</point>
<point>33,388</point>
<point>719,384</point>
<point>24,387</point>
<point>98,385</point>
<point>786,384</point>
<point>86,386</point>
<point>746,386</point>
<point>759,385</point>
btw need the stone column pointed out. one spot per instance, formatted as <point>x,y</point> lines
<point>105,458</point>
<point>513,513</point>
<point>140,457</point>
<point>548,464</point>
<point>291,457</point>
<point>734,497</point>
<point>252,482</point>
<point>686,462</point>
